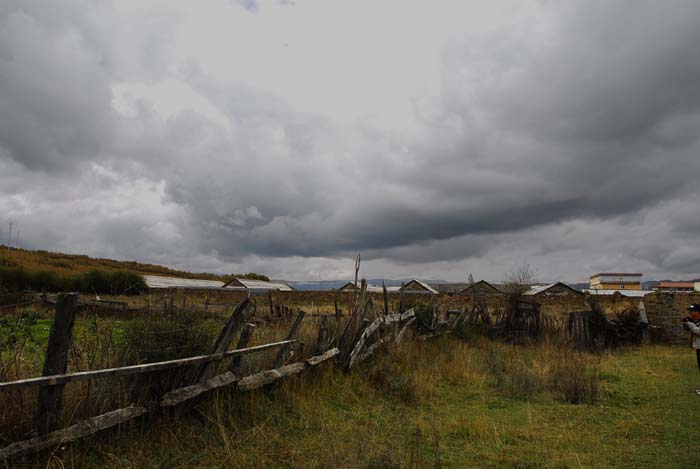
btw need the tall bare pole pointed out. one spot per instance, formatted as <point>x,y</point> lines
<point>357,268</point>
<point>9,241</point>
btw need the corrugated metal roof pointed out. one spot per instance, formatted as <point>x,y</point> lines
<point>350,286</point>
<point>424,285</point>
<point>379,289</point>
<point>628,293</point>
<point>535,289</point>
<point>156,281</point>
<point>263,285</point>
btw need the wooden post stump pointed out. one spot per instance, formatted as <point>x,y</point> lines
<point>56,362</point>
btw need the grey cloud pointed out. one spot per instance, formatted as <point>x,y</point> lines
<point>55,99</point>
<point>585,113</point>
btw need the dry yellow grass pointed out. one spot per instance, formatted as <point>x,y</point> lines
<point>435,404</point>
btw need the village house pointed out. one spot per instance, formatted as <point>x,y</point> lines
<point>417,287</point>
<point>351,287</point>
<point>616,281</point>
<point>670,286</point>
<point>257,286</point>
<point>557,289</point>
<point>449,288</point>
<point>481,288</point>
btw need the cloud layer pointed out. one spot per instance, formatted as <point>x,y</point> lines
<point>437,138</point>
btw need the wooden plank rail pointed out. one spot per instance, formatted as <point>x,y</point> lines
<point>247,383</point>
<point>374,327</point>
<point>178,396</point>
<point>74,432</point>
<point>135,369</point>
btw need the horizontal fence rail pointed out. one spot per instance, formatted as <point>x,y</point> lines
<point>175,397</point>
<point>135,369</point>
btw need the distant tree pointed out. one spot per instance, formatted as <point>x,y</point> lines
<point>519,280</point>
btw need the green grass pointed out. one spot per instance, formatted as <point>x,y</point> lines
<point>452,414</point>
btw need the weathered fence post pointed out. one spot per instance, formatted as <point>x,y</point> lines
<point>385,294</point>
<point>322,334</point>
<point>241,313</point>
<point>279,360</point>
<point>243,341</point>
<point>272,306</point>
<point>347,330</point>
<point>56,362</point>
<point>361,303</point>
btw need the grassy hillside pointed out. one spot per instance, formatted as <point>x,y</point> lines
<point>71,264</point>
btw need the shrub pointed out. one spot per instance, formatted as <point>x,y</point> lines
<point>96,281</point>
<point>114,283</point>
<point>517,378</point>
<point>571,376</point>
<point>164,337</point>
<point>397,375</point>
<point>14,279</point>
<point>45,280</point>
<point>574,380</point>
<point>424,316</point>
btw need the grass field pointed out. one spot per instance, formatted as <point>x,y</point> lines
<point>436,404</point>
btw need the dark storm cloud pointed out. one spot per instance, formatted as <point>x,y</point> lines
<point>574,114</point>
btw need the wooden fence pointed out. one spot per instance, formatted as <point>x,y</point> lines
<point>345,340</point>
<point>354,338</point>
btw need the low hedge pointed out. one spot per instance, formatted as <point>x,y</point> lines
<point>14,279</point>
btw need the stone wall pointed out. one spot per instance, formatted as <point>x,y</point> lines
<point>666,309</point>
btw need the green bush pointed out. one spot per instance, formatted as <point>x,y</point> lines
<point>17,328</point>
<point>160,338</point>
<point>114,283</point>
<point>15,279</point>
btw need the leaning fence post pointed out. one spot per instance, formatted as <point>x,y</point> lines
<point>243,341</point>
<point>240,315</point>
<point>279,360</point>
<point>56,362</point>
<point>347,330</point>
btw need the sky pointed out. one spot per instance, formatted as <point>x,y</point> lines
<point>437,138</point>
